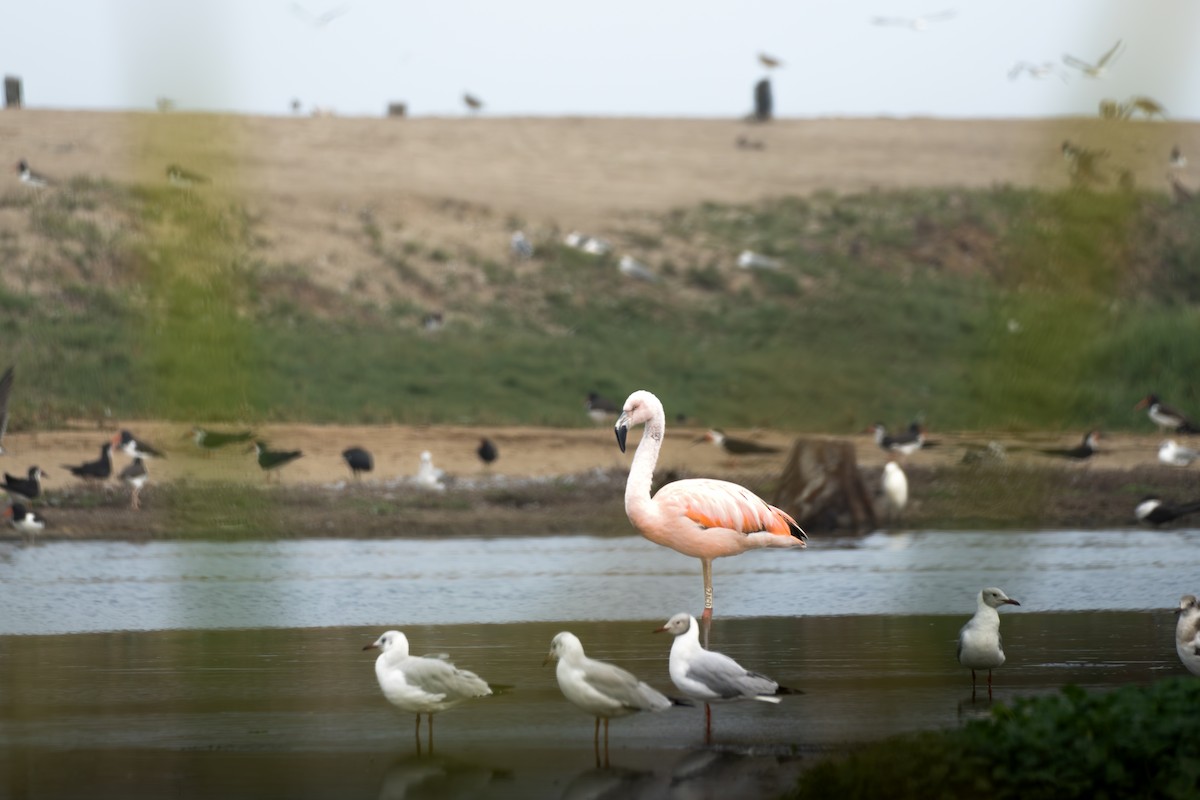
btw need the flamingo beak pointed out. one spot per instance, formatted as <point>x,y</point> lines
<point>622,430</point>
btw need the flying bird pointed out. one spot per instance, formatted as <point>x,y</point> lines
<point>421,684</point>
<point>31,178</point>
<point>770,62</point>
<point>318,20</point>
<point>358,460</point>
<point>1166,417</point>
<point>29,488</point>
<point>1187,633</point>
<point>915,24</point>
<point>598,688</point>
<point>135,475</point>
<point>1037,71</point>
<point>98,470</point>
<point>6,384</point>
<point>1098,69</point>
<point>702,518</point>
<point>712,677</point>
<point>1154,511</point>
<point>273,459</point>
<point>979,645</point>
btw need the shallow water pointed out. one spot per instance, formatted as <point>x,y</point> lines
<point>236,670</point>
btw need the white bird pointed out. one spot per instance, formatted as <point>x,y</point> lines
<point>1174,455</point>
<point>600,689</point>
<point>422,684</point>
<point>699,517</point>
<point>895,486</point>
<point>595,247</point>
<point>916,24</point>
<point>318,20</point>
<point>1187,633</point>
<point>710,676</point>
<point>751,260</point>
<point>29,177</point>
<point>1098,69</point>
<point>27,522</point>
<point>1037,71</point>
<point>979,645</point>
<point>630,266</point>
<point>429,476</point>
<point>520,246</point>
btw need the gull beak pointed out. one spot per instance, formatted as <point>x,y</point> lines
<point>371,646</point>
<point>660,630</point>
<point>548,659</point>
<point>622,430</point>
<point>1012,602</point>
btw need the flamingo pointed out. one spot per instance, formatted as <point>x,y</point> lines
<point>699,517</point>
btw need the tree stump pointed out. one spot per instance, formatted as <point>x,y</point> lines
<point>822,488</point>
<point>763,104</point>
<point>12,92</point>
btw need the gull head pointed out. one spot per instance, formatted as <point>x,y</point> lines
<point>564,646</point>
<point>996,597</point>
<point>1187,604</point>
<point>677,625</point>
<point>390,641</point>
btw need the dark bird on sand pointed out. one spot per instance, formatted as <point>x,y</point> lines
<point>98,470</point>
<point>359,460</point>
<point>487,451</point>
<point>1153,511</point>
<point>1085,449</point>
<point>132,446</point>
<point>29,488</point>
<point>274,459</point>
<point>735,447</point>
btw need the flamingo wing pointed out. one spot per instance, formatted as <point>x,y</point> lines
<point>721,504</point>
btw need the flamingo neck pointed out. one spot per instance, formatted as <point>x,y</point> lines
<point>641,471</point>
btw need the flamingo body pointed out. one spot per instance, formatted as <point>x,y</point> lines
<point>701,518</point>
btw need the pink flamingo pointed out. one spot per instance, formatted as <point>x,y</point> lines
<point>699,517</point>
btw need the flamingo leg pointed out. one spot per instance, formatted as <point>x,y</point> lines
<point>706,617</point>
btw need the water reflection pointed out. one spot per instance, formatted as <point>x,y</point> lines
<point>439,778</point>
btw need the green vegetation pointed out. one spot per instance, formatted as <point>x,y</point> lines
<point>1135,742</point>
<point>999,308</point>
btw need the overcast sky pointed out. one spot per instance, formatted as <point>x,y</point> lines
<point>618,57</point>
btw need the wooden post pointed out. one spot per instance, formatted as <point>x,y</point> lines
<point>822,488</point>
<point>12,91</point>
<point>397,109</point>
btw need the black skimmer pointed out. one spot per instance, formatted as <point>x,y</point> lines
<point>600,409</point>
<point>184,178</point>
<point>735,447</point>
<point>487,451</point>
<point>134,447</point>
<point>211,440</point>
<point>24,520</point>
<point>136,475</point>
<point>1173,455</point>
<point>31,178</point>
<point>1085,449</point>
<point>29,488</point>
<point>905,443</point>
<point>1098,69</point>
<point>1152,510</point>
<point>1165,417</point>
<point>359,460</point>
<point>273,459</point>
<point>98,470</point>
<point>6,384</point>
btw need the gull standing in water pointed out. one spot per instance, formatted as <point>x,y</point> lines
<point>421,684</point>
<point>712,677</point>
<point>979,645</point>
<point>700,517</point>
<point>1187,633</point>
<point>600,689</point>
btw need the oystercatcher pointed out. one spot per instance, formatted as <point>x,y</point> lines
<point>1154,511</point>
<point>1086,449</point>
<point>31,178</point>
<point>6,384</point>
<point>1165,417</point>
<point>487,451</point>
<point>98,470</point>
<point>24,520</point>
<point>29,488</point>
<point>359,460</point>
<point>136,475</point>
<point>273,459</point>
<point>130,445</point>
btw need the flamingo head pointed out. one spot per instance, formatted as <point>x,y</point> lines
<point>641,407</point>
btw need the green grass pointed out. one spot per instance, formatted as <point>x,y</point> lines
<point>997,308</point>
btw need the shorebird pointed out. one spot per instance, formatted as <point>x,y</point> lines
<point>916,24</point>
<point>1154,511</point>
<point>473,103</point>
<point>632,268</point>
<point>6,384</point>
<point>712,677</point>
<point>358,460</point>
<point>134,447</point>
<point>979,645</point>
<point>1098,69</point>
<point>98,470</point>
<point>211,440</point>
<point>905,443</point>
<point>429,476</point>
<point>520,246</point>
<point>29,488</point>
<point>184,178</point>
<point>273,459</point>
<point>421,684</point>
<point>1173,455</point>
<point>135,474</point>
<point>895,486</point>
<point>24,520</point>
<point>1187,633</point>
<point>735,447</point>
<point>600,409</point>
<point>1085,449</point>
<point>700,517</point>
<point>31,178</point>
<point>487,451</point>
<point>1165,417</point>
<point>598,688</point>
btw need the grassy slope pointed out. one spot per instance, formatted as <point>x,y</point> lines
<point>975,309</point>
